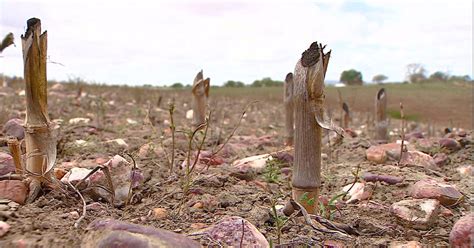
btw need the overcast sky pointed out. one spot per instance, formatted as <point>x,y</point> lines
<point>162,42</point>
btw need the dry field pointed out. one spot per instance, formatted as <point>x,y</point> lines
<point>140,116</point>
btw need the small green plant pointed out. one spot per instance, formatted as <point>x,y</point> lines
<point>271,174</point>
<point>280,220</point>
<point>305,199</point>
<point>328,210</point>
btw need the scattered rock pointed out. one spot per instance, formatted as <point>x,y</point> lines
<point>114,233</point>
<point>409,244</point>
<point>426,145</point>
<point>160,213</point>
<point>417,213</point>
<point>73,215</point>
<point>58,87</point>
<point>417,158</point>
<point>197,226</point>
<point>462,234</point>
<point>4,227</point>
<point>380,153</point>
<point>254,163</point>
<point>6,164</point>
<point>446,194</point>
<point>450,144</point>
<point>441,159</point>
<point>226,199</point>
<point>370,177</point>
<point>131,121</point>
<point>189,114</point>
<point>229,232</point>
<point>120,142</point>
<point>466,170</point>
<point>79,120</point>
<point>14,190</point>
<point>414,135</point>
<point>358,192</point>
<point>14,127</point>
<point>75,175</point>
<point>150,149</point>
<point>333,244</point>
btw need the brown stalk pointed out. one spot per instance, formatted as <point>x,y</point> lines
<point>308,96</point>
<point>347,115</point>
<point>39,137</point>
<point>289,113</point>
<point>15,150</point>
<point>200,94</point>
<point>381,116</point>
<point>402,117</point>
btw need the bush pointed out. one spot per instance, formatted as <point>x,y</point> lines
<point>266,82</point>
<point>177,86</point>
<point>234,84</point>
<point>439,76</point>
<point>351,77</point>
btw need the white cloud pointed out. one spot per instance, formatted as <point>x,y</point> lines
<point>161,42</point>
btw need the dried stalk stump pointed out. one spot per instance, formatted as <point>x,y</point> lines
<point>308,99</point>
<point>39,131</point>
<point>289,106</point>
<point>15,151</point>
<point>200,95</point>
<point>381,122</point>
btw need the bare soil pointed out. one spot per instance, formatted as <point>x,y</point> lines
<point>48,222</point>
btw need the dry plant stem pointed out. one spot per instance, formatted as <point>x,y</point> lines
<point>341,111</point>
<point>381,116</point>
<point>200,94</point>
<point>243,233</point>
<point>402,117</point>
<point>308,96</point>
<point>76,224</point>
<point>189,167</point>
<point>233,130</point>
<point>15,150</point>
<point>347,116</point>
<point>173,141</point>
<point>39,137</point>
<point>289,106</point>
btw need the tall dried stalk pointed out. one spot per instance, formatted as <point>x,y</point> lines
<point>308,94</point>
<point>402,130</point>
<point>289,106</point>
<point>381,122</point>
<point>347,115</point>
<point>39,137</point>
<point>200,94</point>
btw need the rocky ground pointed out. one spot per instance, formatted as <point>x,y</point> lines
<point>422,199</point>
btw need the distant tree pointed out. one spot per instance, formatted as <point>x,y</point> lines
<point>351,77</point>
<point>234,84</point>
<point>439,76</point>
<point>464,78</point>
<point>416,73</point>
<point>379,78</point>
<point>266,82</point>
<point>177,85</point>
